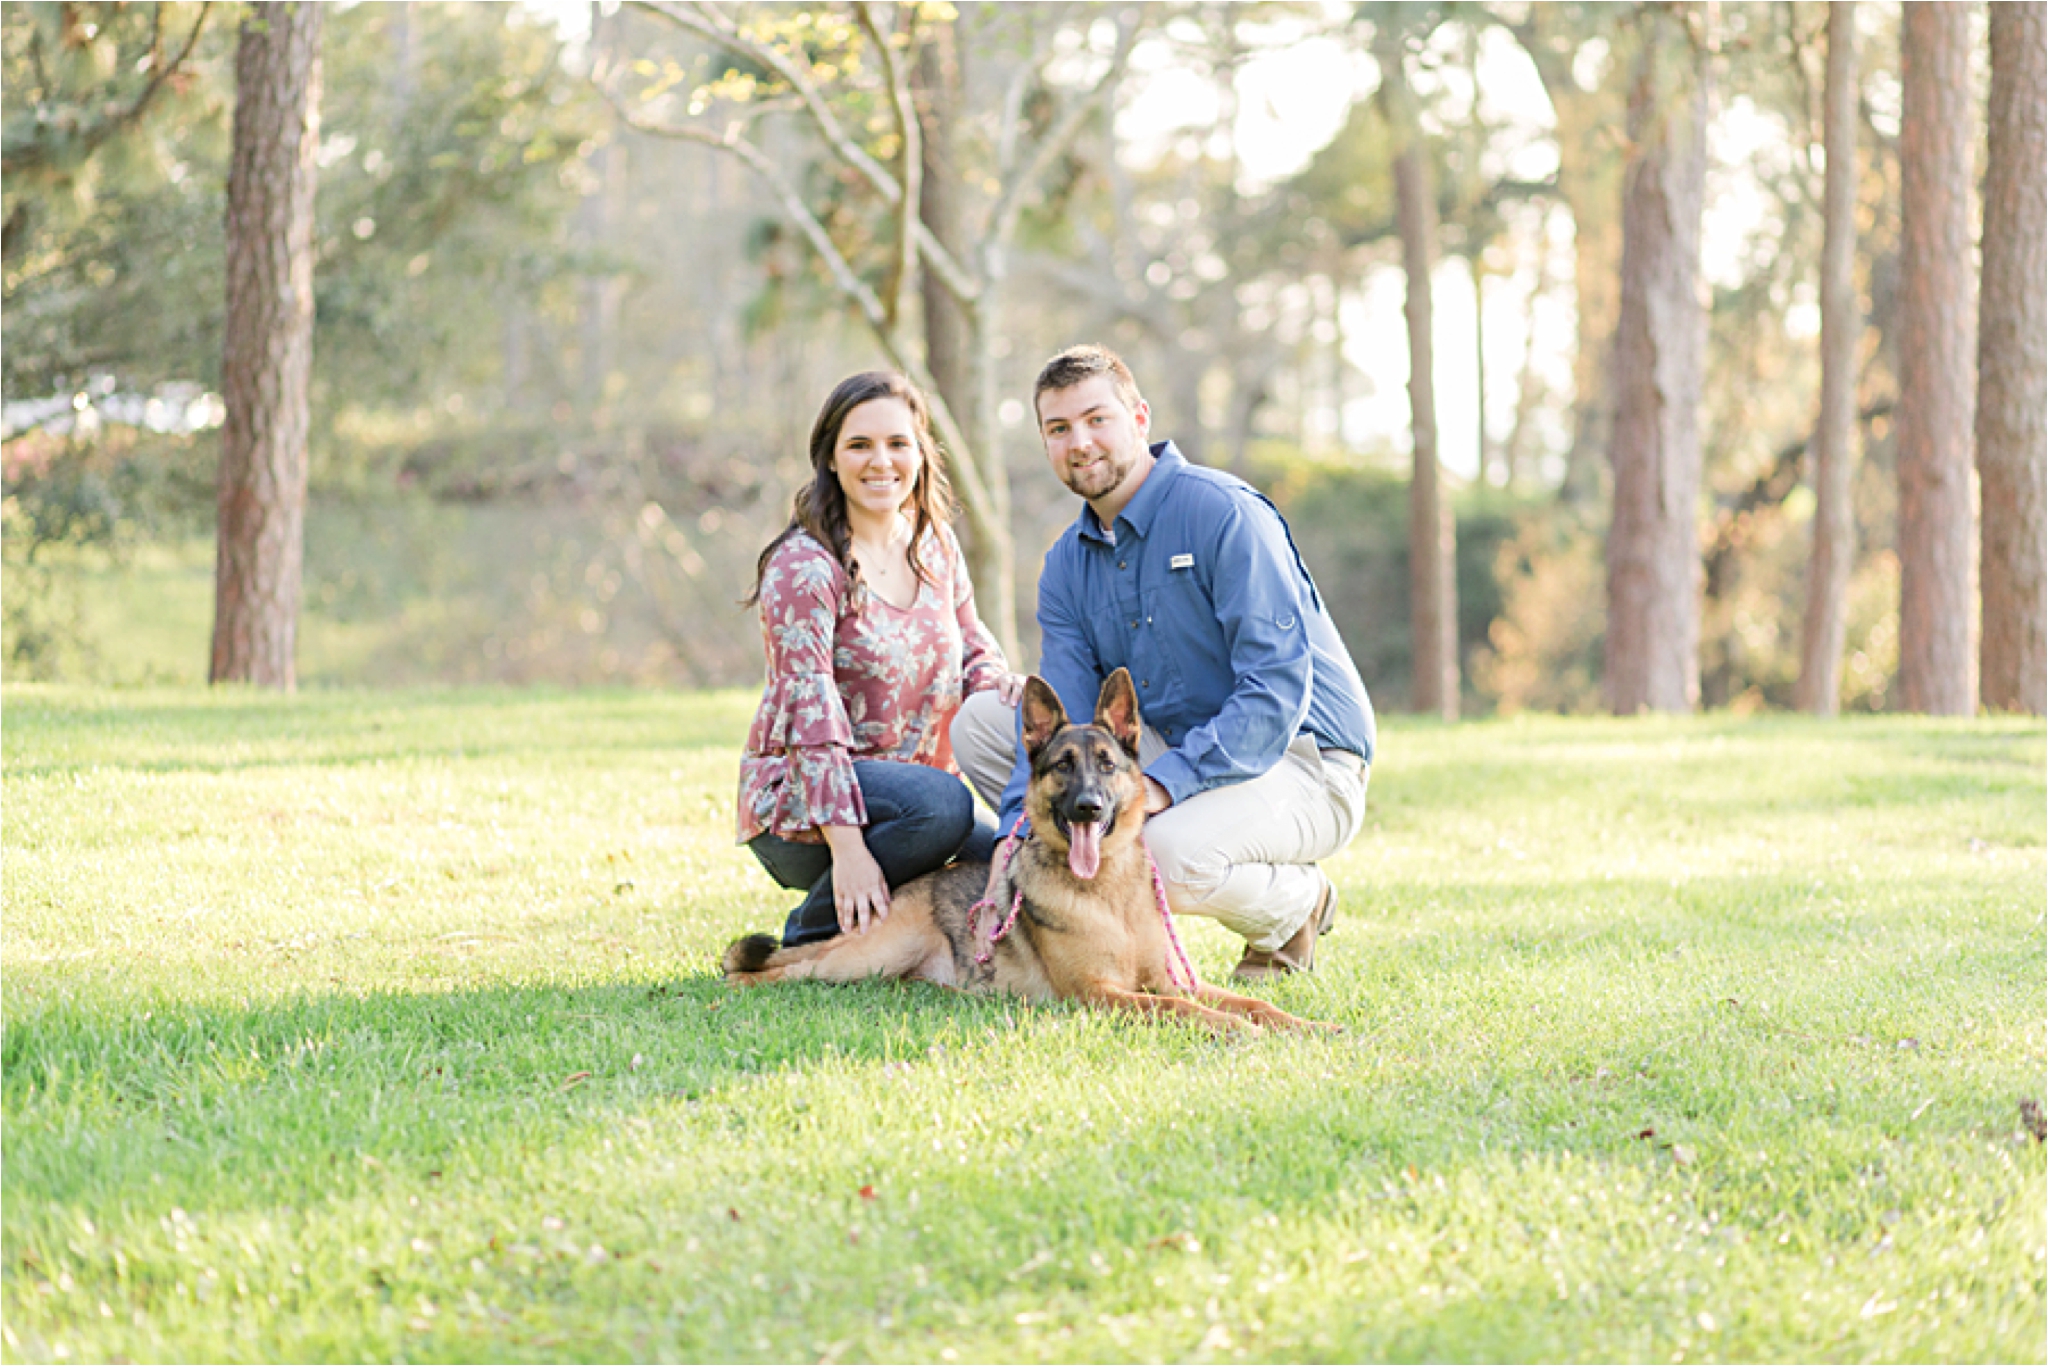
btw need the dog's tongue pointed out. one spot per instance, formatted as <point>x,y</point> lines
<point>1084,849</point>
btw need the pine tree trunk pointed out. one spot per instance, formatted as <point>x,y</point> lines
<point>1431,532</point>
<point>1834,437</point>
<point>1432,535</point>
<point>1588,182</point>
<point>267,347</point>
<point>1936,395</point>
<point>2012,365</point>
<point>1653,560</point>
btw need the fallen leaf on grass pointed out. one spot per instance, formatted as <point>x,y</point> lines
<point>1683,1155</point>
<point>1184,1240</point>
<point>868,1193</point>
<point>733,1215</point>
<point>575,1079</point>
<point>1647,1133</point>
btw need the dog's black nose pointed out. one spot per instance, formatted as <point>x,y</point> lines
<point>1087,809</point>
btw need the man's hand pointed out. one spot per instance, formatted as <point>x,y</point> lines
<point>1156,797</point>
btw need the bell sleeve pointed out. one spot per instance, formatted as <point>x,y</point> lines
<point>802,716</point>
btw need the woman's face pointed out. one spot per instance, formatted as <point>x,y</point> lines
<point>876,456</point>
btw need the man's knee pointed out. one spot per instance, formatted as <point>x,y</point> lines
<point>1188,859</point>
<point>984,738</point>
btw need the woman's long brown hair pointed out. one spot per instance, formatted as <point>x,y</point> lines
<point>820,506</point>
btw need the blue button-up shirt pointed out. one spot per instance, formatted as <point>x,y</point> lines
<point>1200,593</point>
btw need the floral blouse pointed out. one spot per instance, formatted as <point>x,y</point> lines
<point>852,677</point>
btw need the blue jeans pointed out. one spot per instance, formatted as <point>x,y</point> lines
<point>919,818</point>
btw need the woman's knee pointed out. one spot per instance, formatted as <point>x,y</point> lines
<point>924,813</point>
<point>953,808</point>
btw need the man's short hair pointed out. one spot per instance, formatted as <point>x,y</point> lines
<point>1079,364</point>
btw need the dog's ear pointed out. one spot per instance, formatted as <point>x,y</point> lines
<point>1116,710</point>
<point>1043,715</point>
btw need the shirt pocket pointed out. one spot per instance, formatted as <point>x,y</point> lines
<point>1174,648</point>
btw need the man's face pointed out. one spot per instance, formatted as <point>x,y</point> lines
<point>1094,442</point>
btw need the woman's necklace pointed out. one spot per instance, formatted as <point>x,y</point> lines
<point>886,570</point>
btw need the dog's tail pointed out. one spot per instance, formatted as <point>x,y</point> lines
<point>751,953</point>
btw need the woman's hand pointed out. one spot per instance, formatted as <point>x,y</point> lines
<point>1010,688</point>
<point>860,893</point>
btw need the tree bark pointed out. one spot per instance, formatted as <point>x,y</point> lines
<point>950,343</point>
<point>1841,325</point>
<point>1936,395</point>
<point>1432,534</point>
<point>1589,181</point>
<point>2012,366</point>
<point>946,341</point>
<point>267,346</point>
<point>1653,561</point>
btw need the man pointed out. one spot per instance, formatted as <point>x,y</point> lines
<point>1258,734</point>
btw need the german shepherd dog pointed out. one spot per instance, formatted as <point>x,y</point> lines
<point>1074,914</point>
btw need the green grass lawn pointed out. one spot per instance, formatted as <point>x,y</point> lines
<point>382,1026</point>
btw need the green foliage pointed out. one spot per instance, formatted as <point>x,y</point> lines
<point>1351,523</point>
<point>1544,650</point>
<point>75,502</point>
<point>448,137</point>
<point>115,118</point>
<point>358,1025</point>
<point>451,140</point>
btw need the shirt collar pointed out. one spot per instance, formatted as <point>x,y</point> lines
<point>1144,504</point>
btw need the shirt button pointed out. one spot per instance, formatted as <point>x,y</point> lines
<point>1134,623</point>
<point>1146,684</point>
<point>1121,565</point>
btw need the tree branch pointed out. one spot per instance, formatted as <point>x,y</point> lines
<point>909,140</point>
<point>707,21</point>
<point>1003,218</point>
<point>846,279</point>
<point>36,153</point>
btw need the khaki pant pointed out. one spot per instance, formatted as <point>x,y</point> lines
<point>1244,854</point>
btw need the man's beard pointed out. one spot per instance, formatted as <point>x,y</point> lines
<point>1100,477</point>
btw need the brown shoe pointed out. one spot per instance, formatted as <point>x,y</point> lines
<point>1297,954</point>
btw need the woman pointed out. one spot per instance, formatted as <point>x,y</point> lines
<point>847,787</point>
